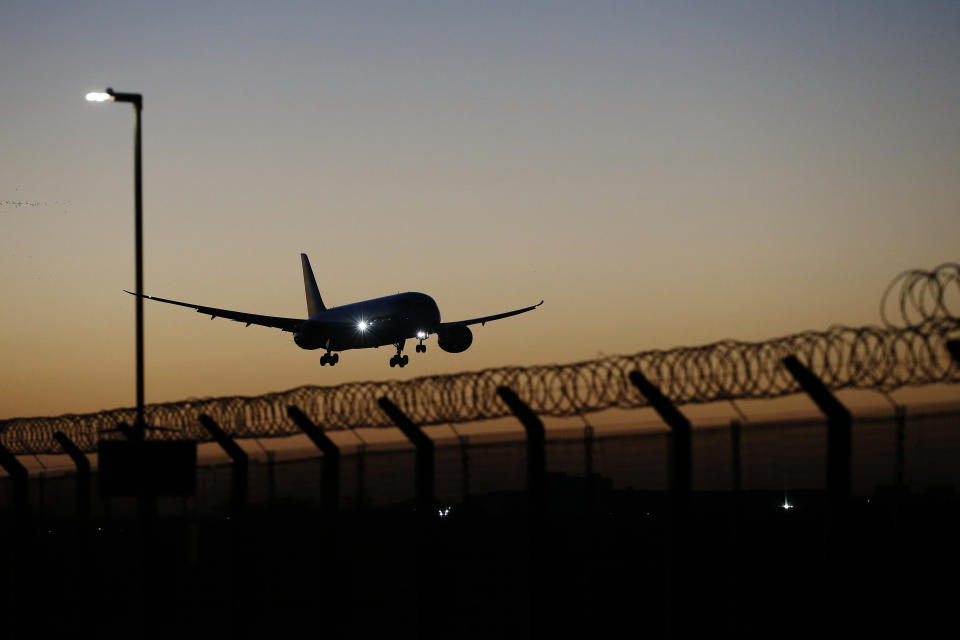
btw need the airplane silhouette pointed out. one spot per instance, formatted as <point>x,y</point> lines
<point>362,325</point>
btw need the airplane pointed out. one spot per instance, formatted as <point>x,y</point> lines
<point>389,320</point>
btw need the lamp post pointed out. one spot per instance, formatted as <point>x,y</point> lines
<point>136,100</point>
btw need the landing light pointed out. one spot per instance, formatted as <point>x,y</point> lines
<point>421,334</point>
<point>362,326</point>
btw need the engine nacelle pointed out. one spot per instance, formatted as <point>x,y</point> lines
<point>307,341</point>
<point>454,339</point>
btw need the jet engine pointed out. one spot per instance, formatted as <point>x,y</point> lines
<point>454,338</point>
<point>307,341</point>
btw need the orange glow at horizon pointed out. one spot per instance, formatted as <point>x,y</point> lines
<point>660,176</point>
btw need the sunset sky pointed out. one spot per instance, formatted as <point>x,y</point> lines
<point>662,174</point>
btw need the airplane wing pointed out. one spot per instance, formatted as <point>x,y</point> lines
<point>486,319</point>
<point>286,324</point>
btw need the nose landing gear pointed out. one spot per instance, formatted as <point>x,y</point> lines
<point>329,358</point>
<point>421,336</point>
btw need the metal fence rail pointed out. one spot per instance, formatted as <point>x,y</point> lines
<point>776,455</point>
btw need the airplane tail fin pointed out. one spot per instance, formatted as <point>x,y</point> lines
<point>314,301</point>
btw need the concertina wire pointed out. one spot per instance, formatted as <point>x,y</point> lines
<point>918,310</point>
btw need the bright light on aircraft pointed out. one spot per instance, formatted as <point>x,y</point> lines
<point>421,334</point>
<point>98,96</point>
<point>786,505</point>
<point>362,326</point>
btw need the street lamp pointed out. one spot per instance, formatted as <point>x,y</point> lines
<point>137,101</point>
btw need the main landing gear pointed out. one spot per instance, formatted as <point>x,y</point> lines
<point>329,358</point>
<point>399,360</point>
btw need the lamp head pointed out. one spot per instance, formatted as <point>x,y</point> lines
<point>112,96</point>
<point>100,96</point>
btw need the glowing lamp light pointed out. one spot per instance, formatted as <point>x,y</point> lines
<point>362,326</point>
<point>99,96</point>
<point>786,505</point>
<point>421,334</point>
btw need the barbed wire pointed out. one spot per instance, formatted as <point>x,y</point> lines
<point>880,358</point>
<point>924,296</point>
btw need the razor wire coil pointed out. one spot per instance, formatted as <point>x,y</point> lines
<point>909,353</point>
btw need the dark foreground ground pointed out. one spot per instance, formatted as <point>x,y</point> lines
<point>736,566</point>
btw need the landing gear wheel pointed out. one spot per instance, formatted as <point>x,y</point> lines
<point>329,358</point>
<point>421,348</point>
<point>399,360</point>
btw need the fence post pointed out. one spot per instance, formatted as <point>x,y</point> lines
<point>590,483</point>
<point>271,477</point>
<point>464,463</point>
<point>147,502</point>
<point>900,415</point>
<point>734,561</point>
<point>361,470</point>
<point>424,475</point>
<point>83,473</point>
<point>331,458</point>
<point>18,475</point>
<point>679,444</point>
<point>953,346</point>
<point>330,592</point>
<point>839,423</point>
<point>239,473</point>
<point>127,431</point>
<point>536,481</point>
<point>536,448</point>
<point>426,505</point>
<point>736,469</point>
<point>679,455</point>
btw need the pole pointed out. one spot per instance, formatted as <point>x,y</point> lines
<point>138,250</point>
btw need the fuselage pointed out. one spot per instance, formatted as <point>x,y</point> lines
<point>370,323</point>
